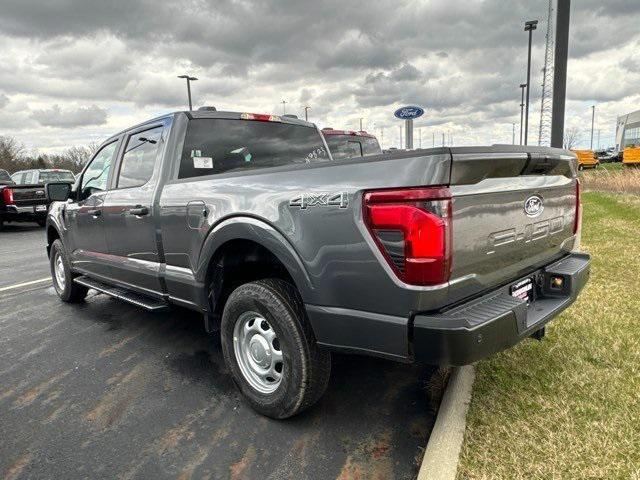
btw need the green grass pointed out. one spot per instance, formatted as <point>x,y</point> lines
<point>569,407</point>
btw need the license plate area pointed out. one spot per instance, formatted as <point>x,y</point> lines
<point>523,290</point>
<point>41,208</point>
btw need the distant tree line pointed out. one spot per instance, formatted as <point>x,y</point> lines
<point>15,157</point>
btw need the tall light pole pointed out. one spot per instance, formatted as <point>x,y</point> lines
<point>306,113</point>
<point>189,80</point>
<point>560,72</point>
<point>361,123</point>
<point>593,117</point>
<point>513,133</point>
<point>529,26</point>
<point>522,87</point>
<point>433,139</point>
<point>284,107</point>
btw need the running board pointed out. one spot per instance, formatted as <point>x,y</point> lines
<point>148,303</point>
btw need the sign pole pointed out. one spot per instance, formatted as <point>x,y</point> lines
<point>408,131</point>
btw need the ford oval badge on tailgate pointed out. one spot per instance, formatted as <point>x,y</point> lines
<point>533,206</point>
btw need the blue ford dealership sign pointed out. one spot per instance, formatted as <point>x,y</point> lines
<point>408,113</point>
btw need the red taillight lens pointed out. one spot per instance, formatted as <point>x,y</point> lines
<point>577,222</point>
<point>260,117</point>
<point>7,196</point>
<point>412,228</point>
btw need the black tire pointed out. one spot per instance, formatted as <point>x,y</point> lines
<point>306,367</point>
<point>70,292</point>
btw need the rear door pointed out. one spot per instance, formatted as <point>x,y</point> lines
<point>88,245</point>
<point>129,220</point>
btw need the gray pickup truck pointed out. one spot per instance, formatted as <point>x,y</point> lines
<point>444,256</point>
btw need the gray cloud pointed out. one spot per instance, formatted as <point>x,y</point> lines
<point>4,100</point>
<point>69,118</point>
<point>462,60</point>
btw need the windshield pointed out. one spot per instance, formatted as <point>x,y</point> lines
<point>219,145</point>
<point>59,176</point>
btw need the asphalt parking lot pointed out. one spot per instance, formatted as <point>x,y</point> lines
<point>106,390</point>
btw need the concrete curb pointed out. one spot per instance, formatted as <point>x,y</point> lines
<point>440,461</point>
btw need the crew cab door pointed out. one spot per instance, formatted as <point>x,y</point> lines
<point>87,243</point>
<point>129,207</point>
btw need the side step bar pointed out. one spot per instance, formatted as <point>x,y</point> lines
<point>148,303</point>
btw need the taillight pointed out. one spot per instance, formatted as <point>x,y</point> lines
<point>7,196</point>
<point>412,229</point>
<point>260,117</point>
<point>577,222</point>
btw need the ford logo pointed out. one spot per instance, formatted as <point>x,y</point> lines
<point>533,206</point>
<point>408,113</point>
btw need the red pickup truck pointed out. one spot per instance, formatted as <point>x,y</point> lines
<point>23,197</point>
<point>348,144</point>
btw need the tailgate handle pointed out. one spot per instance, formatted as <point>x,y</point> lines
<point>139,211</point>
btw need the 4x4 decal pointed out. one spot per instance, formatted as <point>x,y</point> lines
<point>306,200</point>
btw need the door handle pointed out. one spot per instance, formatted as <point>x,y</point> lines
<point>95,213</point>
<point>139,211</point>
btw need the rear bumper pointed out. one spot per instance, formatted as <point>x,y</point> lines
<point>496,321</point>
<point>19,213</point>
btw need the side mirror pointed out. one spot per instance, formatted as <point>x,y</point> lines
<point>58,191</point>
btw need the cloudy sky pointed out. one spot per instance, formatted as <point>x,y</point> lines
<point>75,71</point>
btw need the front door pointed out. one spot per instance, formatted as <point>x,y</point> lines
<point>129,213</point>
<point>88,246</point>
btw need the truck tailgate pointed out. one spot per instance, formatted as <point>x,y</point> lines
<point>513,211</point>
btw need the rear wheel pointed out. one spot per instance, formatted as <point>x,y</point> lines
<point>271,350</point>
<point>66,288</point>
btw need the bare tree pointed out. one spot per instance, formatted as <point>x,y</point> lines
<point>571,138</point>
<point>11,152</point>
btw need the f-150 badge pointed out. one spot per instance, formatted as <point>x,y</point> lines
<point>307,200</point>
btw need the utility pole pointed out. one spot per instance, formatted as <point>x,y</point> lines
<point>443,143</point>
<point>598,139</point>
<point>306,113</point>
<point>529,26</point>
<point>593,117</point>
<point>560,72</point>
<point>522,87</point>
<point>513,133</point>
<point>361,123</point>
<point>433,135</point>
<point>189,80</point>
<point>284,107</point>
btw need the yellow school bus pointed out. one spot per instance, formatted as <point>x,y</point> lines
<point>586,159</point>
<point>631,156</point>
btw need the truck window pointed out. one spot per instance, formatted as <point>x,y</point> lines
<point>17,178</point>
<point>219,145</point>
<point>59,176</point>
<point>96,175</point>
<point>139,158</point>
<point>30,178</point>
<point>4,175</point>
<point>370,146</point>
<point>343,146</point>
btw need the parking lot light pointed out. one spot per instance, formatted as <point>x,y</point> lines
<point>189,80</point>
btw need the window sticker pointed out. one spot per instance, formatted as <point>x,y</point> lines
<point>196,153</point>
<point>202,162</point>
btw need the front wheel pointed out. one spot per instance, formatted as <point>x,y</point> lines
<point>270,349</point>
<point>66,288</point>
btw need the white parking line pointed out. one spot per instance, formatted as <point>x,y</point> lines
<point>25,284</point>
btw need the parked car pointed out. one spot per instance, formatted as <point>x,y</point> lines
<point>347,144</point>
<point>5,178</point>
<point>23,198</point>
<point>586,159</point>
<point>443,256</point>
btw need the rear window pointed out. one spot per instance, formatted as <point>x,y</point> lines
<point>61,176</point>
<point>218,145</point>
<point>4,176</point>
<point>349,146</point>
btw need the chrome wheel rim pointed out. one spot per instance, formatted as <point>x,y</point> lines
<point>58,267</point>
<point>258,352</point>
